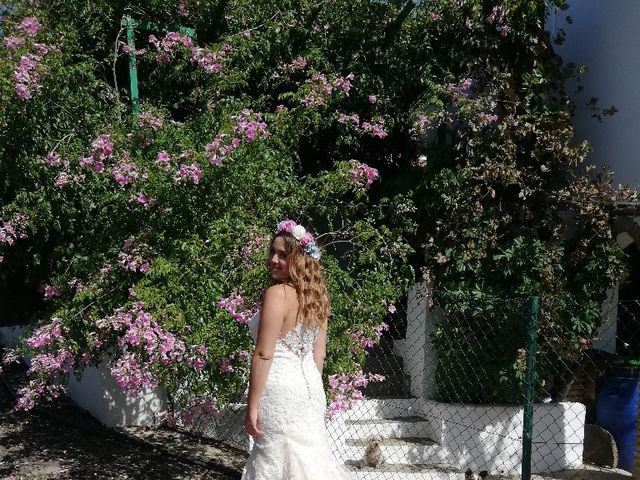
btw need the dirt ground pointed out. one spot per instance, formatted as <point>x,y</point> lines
<point>63,442</point>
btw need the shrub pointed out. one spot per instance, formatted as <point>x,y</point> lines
<point>396,131</point>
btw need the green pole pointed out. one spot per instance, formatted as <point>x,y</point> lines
<point>129,23</point>
<point>529,387</point>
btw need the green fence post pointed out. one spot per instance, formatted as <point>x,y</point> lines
<point>529,387</point>
<point>129,23</point>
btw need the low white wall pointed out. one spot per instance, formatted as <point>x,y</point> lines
<point>99,394</point>
<point>9,338</point>
<point>489,437</point>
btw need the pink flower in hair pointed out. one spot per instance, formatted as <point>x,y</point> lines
<point>286,226</point>
<point>306,239</point>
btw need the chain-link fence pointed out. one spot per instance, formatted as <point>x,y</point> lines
<point>485,387</point>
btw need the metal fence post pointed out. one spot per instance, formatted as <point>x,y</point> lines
<point>129,23</point>
<point>529,386</point>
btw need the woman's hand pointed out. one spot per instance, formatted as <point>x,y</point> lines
<point>251,422</point>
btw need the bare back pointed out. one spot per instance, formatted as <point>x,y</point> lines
<point>290,309</point>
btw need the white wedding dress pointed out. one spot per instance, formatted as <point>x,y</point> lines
<point>294,444</point>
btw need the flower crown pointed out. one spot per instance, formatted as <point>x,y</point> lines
<point>306,240</point>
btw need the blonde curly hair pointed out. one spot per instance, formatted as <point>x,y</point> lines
<point>305,275</point>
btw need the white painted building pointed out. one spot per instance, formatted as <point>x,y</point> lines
<point>603,35</point>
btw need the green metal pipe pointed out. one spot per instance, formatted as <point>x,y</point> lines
<point>130,24</point>
<point>529,386</point>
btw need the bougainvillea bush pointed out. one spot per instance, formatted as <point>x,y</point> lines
<point>144,237</point>
<point>431,138</point>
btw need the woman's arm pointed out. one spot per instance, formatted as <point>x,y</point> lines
<point>320,348</point>
<point>271,322</point>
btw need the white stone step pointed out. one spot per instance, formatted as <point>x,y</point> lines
<point>383,408</point>
<point>409,450</point>
<point>411,426</point>
<point>406,472</point>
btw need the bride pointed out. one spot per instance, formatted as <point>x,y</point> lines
<point>286,402</point>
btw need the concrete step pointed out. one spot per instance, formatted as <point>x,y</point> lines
<point>376,408</point>
<point>411,426</point>
<point>395,450</point>
<point>423,471</point>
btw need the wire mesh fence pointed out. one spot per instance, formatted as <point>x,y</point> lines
<point>459,408</point>
<point>454,402</point>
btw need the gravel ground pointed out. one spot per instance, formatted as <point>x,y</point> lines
<point>64,442</point>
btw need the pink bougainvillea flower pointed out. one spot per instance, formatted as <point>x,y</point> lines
<point>190,173</point>
<point>29,26</point>
<point>50,291</point>
<point>345,391</point>
<point>344,83</point>
<point>362,175</point>
<point>320,90</point>
<point>13,43</point>
<point>235,305</point>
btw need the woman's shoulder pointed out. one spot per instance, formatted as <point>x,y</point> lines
<point>281,297</point>
<point>280,291</point>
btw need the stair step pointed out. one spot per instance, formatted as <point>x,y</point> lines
<point>387,427</point>
<point>392,441</point>
<point>395,450</point>
<point>393,471</point>
<point>376,408</point>
<point>371,421</point>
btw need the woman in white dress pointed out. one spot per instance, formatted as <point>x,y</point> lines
<point>287,402</point>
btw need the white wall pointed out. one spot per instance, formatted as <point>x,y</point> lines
<point>480,437</point>
<point>490,436</point>
<point>419,359</point>
<point>604,35</point>
<point>98,393</point>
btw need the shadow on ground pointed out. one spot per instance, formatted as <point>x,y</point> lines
<point>42,445</point>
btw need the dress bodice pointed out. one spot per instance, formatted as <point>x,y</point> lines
<point>299,340</point>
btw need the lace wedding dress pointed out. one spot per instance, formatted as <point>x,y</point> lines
<point>294,444</point>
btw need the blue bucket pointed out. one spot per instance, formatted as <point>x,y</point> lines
<point>617,409</point>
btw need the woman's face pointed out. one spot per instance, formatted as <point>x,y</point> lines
<point>278,261</point>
